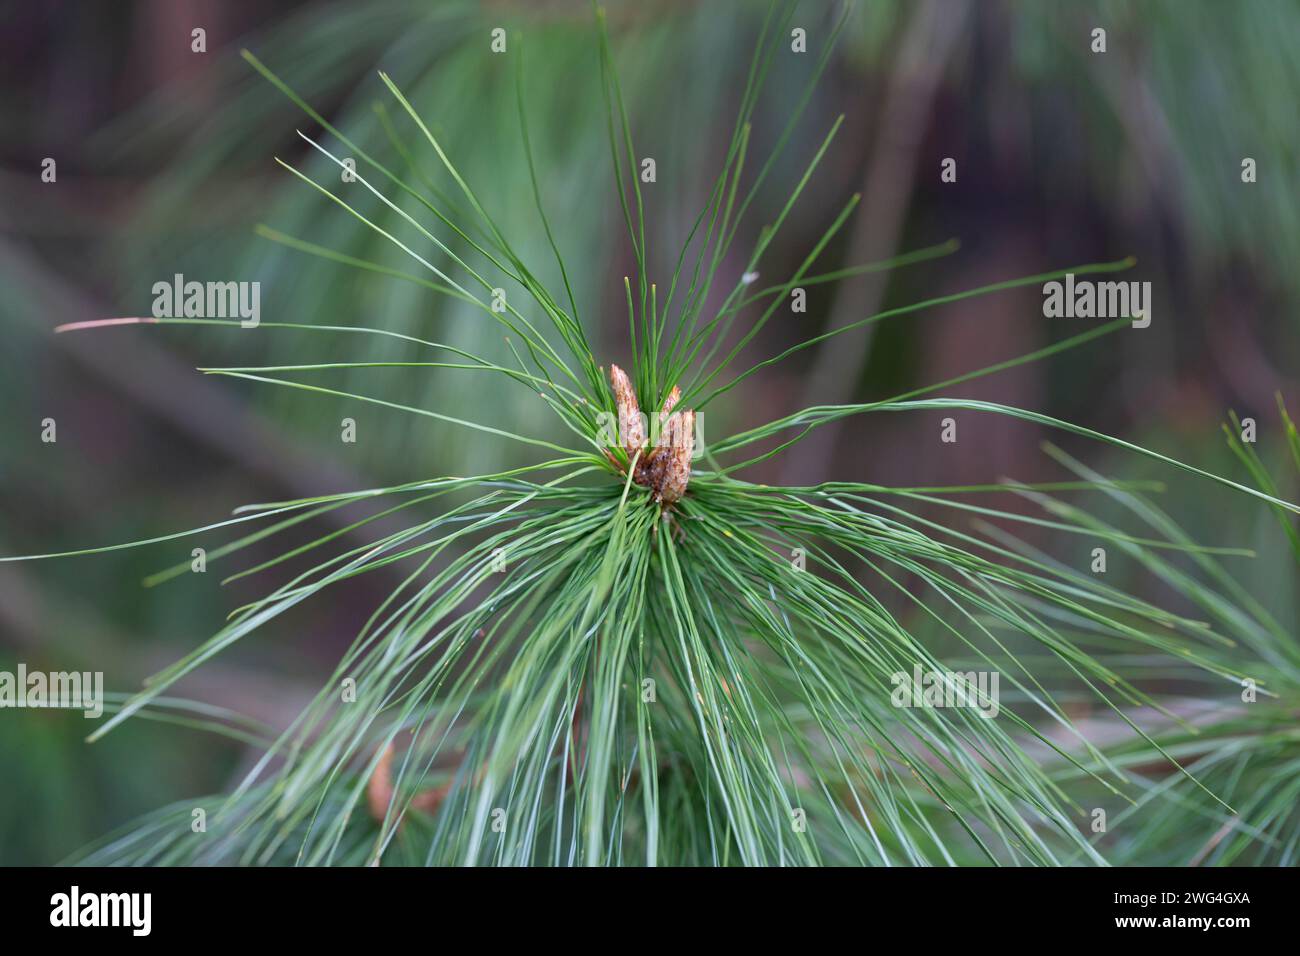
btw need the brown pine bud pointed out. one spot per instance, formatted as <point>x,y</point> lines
<point>631,430</point>
<point>665,468</point>
<point>673,398</point>
<point>672,466</point>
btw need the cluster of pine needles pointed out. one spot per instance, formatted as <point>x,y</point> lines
<point>577,668</point>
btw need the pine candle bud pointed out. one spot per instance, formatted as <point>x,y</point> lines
<point>672,466</point>
<point>631,431</point>
<point>666,469</point>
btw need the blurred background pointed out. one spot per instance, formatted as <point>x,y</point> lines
<point>165,165</point>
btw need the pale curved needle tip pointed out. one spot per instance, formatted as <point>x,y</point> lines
<point>99,323</point>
